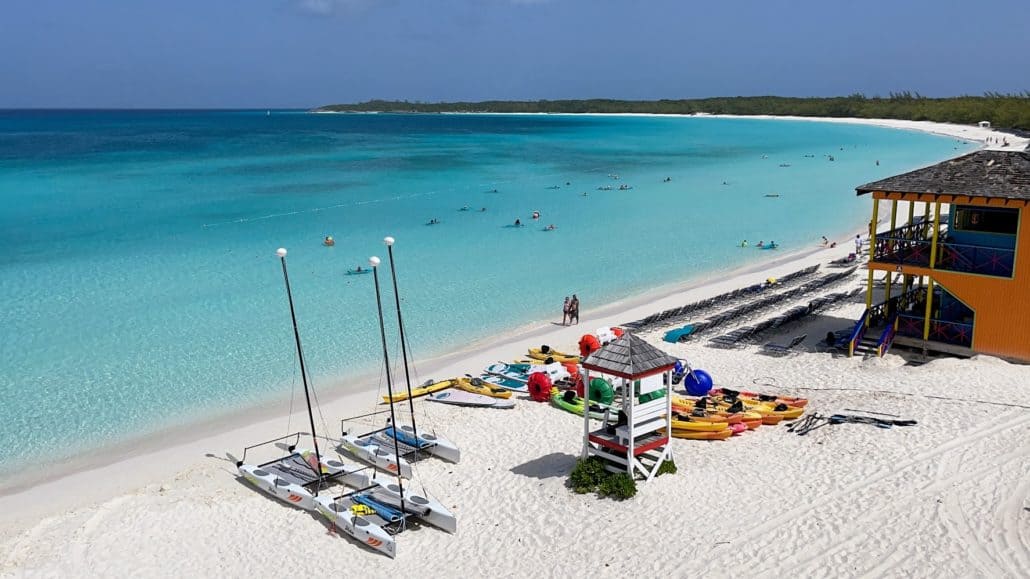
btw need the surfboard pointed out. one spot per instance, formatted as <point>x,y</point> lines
<point>463,398</point>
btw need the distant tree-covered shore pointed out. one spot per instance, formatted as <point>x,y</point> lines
<point>1007,111</point>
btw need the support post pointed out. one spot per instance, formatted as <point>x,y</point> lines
<point>586,412</point>
<point>929,306</point>
<point>872,247</point>
<point>894,216</point>
<point>936,228</point>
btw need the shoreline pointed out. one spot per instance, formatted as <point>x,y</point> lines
<point>969,132</point>
<point>346,386</point>
<point>137,461</point>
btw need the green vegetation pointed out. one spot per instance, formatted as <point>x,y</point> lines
<point>668,467</point>
<point>619,486</point>
<point>589,475</point>
<point>1010,111</point>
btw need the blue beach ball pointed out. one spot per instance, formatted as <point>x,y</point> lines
<point>698,383</point>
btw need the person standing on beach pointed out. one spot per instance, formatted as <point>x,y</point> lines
<point>858,245</point>
<point>565,312</point>
<point>574,309</point>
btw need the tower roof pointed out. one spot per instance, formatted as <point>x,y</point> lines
<point>629,357</point>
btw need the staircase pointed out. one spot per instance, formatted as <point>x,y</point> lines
<point>870,340</point>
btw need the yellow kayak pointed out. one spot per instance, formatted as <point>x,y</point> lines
<point>699,435</point>
<point>427,388</point>
<point>539,354</point>
<point>477,386</point>
<point>698,425</point>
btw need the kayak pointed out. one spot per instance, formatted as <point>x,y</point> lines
<point>358,271</point>
<point>759,397</point>
<point>697,425</point>
<point>505,382</point>
<point>574,404</point>
<point>540,354</point>
<point>477,386</point>
<point>702,435</point>
<point>511,372</point>
<point>428,388</point>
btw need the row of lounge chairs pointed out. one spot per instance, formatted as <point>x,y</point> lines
<point>720,301</point>
<point>753,309</point>
<point>745,334</point>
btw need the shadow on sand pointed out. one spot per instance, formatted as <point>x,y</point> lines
<point>556,464</point>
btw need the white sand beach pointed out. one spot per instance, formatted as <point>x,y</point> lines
<point>949,496</point>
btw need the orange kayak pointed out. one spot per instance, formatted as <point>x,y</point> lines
<point>760,397</point>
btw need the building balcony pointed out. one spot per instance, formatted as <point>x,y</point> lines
<point>913,245</point>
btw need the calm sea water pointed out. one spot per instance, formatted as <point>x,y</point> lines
<point>140,286</point>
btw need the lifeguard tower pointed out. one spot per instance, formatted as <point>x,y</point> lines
<point>635,440</point>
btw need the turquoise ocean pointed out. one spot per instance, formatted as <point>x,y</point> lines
<point>141,290</point>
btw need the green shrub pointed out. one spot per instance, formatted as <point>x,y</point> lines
<point>668,467</point>
<point>587,475</point>
<point>619,486</point>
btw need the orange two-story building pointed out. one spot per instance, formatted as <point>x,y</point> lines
<point>957,258</point>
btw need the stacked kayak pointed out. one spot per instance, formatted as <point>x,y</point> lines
<point>773,409</point>
<point>545,352</point>
<point>428,388</point>
<point>569,402</point>
<point>474,392</point>
<point>509,376</point>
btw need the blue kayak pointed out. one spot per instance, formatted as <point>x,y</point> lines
<point>358,271</point>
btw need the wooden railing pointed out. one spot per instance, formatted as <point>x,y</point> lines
<point>887,337</point>
<point>913,244</point>
<point>944,331</point>
<point>857,333</point>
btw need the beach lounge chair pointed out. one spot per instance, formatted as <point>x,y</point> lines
<point>778,349</point>
<point>679,334</point>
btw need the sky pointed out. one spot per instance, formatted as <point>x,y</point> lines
<point>305,53</point>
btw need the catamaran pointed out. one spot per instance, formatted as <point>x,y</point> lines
<point>386,500</point>
<point>299,477</point>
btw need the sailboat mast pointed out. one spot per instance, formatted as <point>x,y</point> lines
<point>303,370</point>
<point>374,261</point>
<point>404,343</point>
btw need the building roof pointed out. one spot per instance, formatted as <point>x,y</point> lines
<point>629,356</point>
<point>999,174</point>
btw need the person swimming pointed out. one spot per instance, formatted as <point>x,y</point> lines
<point>518,222</point>
<point>760,244</point>
<point>329,241</point>
<point>536,215</point>
<point>464,208</point>
<point>743,243</point>
<point>482,210</point>
<point>433,221</point>
<point>550,227</point>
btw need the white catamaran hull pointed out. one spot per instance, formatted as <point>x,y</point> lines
<point>298,495</point>
<point>427,508</point>
<point>378,455</point>
<point>437,445</point>
<point>364,531</point>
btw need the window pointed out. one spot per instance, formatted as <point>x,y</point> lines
<point>986,219</point>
